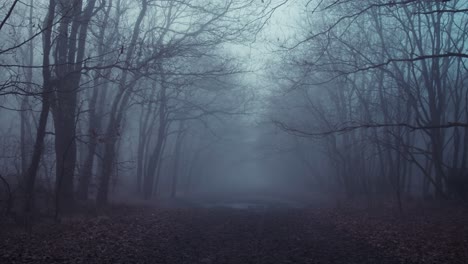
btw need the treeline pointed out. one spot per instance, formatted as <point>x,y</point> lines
<point>93,90</point>
<point>379,89</point>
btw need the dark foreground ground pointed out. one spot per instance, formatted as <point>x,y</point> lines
<point>145,235</point>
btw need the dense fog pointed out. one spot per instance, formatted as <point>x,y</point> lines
<point>234,131</point>
<point>307,101</point>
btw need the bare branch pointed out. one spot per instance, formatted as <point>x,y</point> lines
<point>346,129</point>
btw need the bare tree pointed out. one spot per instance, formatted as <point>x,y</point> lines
<point>400,81</point>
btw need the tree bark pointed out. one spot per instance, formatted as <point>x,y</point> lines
<point>41,130</point>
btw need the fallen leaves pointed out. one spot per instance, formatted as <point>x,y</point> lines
<point>148,235</point>
<point>420,235</point>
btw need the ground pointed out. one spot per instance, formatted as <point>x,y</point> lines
<point>219,235</point>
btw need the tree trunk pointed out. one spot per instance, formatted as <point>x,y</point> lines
<point>154,162</point>
<point>148,180</point>
<point>65,147</point>
<point>25,126</point>
<point>41,130</point>
<point>102,197</point>
<point>94,117</point>
<point>177,154</point>
<point>119,105</point>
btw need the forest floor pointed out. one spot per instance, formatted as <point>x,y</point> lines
<point>148,235</point>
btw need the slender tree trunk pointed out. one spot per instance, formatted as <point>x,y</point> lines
<point>148,181</point>
<point>37,153</point>
<point>25,126</point>
<point>117,113</point>
<point>102,197</point>
<point>95,118</point>
<point>177,154</point>
<point>145,125</point>
<point>41,130</point>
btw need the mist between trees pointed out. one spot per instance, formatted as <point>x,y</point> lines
<point>139,99</point>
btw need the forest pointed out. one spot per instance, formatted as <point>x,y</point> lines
<point>233,131</point>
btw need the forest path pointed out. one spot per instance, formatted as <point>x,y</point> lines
<point>191,236</point>
<point>243,236</point>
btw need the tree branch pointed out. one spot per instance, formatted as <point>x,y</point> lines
<point>346,129</point>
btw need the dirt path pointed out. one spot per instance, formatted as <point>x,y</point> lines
<point>269,237</point>
<point>190,236</point>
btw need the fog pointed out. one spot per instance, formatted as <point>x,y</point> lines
<point>106,100</point>
<point>171,98</point>
<point>239,127</point>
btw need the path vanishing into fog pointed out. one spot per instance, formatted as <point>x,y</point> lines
<point>215,235</point>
